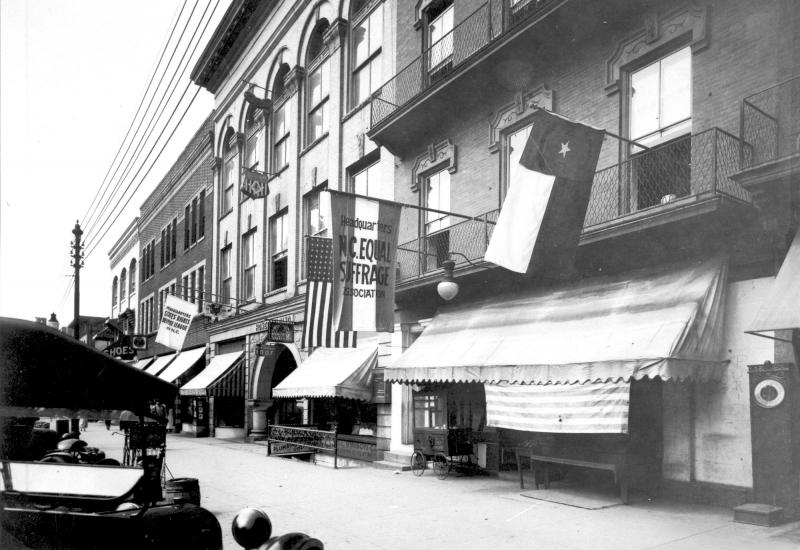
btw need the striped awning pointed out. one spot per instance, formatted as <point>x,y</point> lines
<point>333,372</point>
<point>142,364</point>
<point>185,361</point>
<point>781,310</point>
<point>661,322</point>
<point>574,408</point>
<point>161,362</point>
<point>224,376</point>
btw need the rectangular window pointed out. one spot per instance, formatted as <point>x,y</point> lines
<point>661,99</point>
<point>428,411</point>
<point>174,232</point>
<point>514,145</point>
<point>279,249</point>
<point>437,195</point>
<point>317,207</point>
<point>186,227</point>
<point>200,287</point>
<point>152,257</point>
<point>366,181</point>
<point>249,265</point>
<point>228,179</point>
<point>225,274</point>
<point>185,290</point>
<point>194,220</point>
<point>192,286</point>
<point>161,247</point>
<point>201,215</point>
<point>254,146</point>
<point>440,38</point>
<point>318,102</point>
<point>280,131</point>
<point>367,40</point>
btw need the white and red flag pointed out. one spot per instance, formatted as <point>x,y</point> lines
<point>545,205</point>
<point>364,262</point>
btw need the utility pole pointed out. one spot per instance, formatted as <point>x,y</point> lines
<point>77,263</point>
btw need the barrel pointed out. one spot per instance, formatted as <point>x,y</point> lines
<point>183,489</point>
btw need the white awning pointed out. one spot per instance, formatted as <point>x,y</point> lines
<point>142,364</point>
<point>656,322</point>
<point>160,364</point>
<point>218,367</point>
<point>185,360</point>
<point>332,372</point>
<point>781,310</point>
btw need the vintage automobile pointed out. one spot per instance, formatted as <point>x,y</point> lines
<point>72,504</point>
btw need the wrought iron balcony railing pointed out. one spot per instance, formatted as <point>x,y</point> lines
<point>770,123</point>
<point>490,21</point>
<point>651,180</point>
<point>687,166</point>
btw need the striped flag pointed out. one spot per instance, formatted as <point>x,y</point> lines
<point>559,408</point>
<point>542,216</point>
<point>365,259</point>
<point>318,330</point>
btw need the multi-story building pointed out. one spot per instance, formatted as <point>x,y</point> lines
<point>697,172</point>
<point>291,82</point>
<point>123,258</point>
<point>175,244</point>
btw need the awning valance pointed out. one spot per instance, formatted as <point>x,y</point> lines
<point>655,322</point>
<point>182,363</point>
<point>332,372</point>
<point>781,310</point>
<point>220,365</point>
<point>160,364</point>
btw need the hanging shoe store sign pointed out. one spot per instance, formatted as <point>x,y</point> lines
<point>277,330</point>
<point>254,183</point>
<point>121,348</point>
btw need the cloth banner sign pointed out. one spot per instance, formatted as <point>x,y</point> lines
<point>548,194</point>
<point>364,262</point>
<point>175,322</point>
<point>318,329</point>
<point>559,408</point>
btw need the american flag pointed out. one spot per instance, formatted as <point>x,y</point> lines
<point>319,309</point>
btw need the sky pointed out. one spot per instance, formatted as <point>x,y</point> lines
<point>72,74</point>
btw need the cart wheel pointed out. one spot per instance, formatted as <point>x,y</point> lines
<point>418,463</point>
<point>440,466</point>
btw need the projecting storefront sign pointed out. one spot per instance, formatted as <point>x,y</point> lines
<point>277,330</point>
<point>121,348</point>
<point>254,183</point>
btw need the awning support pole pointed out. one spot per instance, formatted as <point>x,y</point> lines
<point>692,432</point>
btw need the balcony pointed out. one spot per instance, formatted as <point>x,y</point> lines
<point>687,177</point>
<point>469,45</point>
<point>770,128</point>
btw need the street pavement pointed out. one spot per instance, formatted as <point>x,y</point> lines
<point>384,509</point>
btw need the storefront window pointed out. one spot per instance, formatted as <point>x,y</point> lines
<point>429,410</point>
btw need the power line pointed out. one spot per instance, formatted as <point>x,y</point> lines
<point>162,106</point>
<point>197,91</point>
<point>91,225</point>
<point>133,120</point>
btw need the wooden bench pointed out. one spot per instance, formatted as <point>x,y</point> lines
<point>612,466</point>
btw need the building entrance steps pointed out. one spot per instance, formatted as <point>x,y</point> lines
<point>393,460</point>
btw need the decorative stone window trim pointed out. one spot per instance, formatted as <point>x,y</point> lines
<point>419,10</point>
<point>687,20</point>
<point>438,155</point>
<point>291,84</point>
<point>334,37</point>
<point>524,104</point>
<point>217,166</point>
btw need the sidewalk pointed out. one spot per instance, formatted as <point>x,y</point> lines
<point>383,509</point>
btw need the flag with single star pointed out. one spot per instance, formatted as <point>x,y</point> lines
<point>547,196</point>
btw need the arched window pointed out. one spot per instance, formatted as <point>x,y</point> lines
<point>114,287</point>
<point>123,287</point>
<point>254,136</point>
<point>280,120</point>
<point>317,84</point>
<point>132,283</point>
<point>365,51</point>
<point>228,178</point>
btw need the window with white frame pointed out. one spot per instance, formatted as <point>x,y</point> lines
<point>193,285</point>
<point>440,35</point>
<point>279,250</point>
<point>366,181</point>
<point>228,180</point>
<point>437,196</point>
<point>194,220</point>
<point>661,99</point>
<point>367,37</point>
<point>254,144</point>
<point>225,274</point>
<point>132,271</point>
<point>514,145</point>
<point>249,265</point>
<point>318,93</point>
<point>123,287</point>
<point>280,132</point>
<point>146,313</point>
<point>317,208</point>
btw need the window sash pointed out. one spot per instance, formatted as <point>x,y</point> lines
<point>515,144</point>
<point>437,196</point>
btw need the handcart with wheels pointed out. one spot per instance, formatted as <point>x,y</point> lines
<point>448,449</point>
